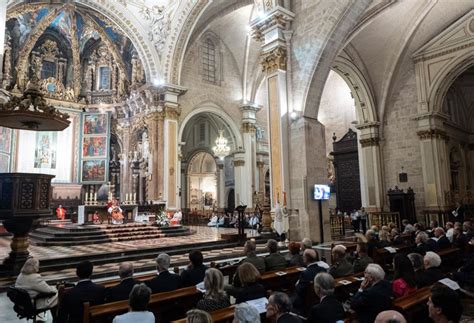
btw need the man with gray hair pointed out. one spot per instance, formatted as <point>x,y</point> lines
<point>432,272</point>
<point>122,290</point>
<point>274,261</point>
<point>310,259</point>
<point>279,309</point>
<point>329,310</point>
<point>424,243</point>
<point>306,243</point>
<point>164,280</point>
<point>138,302</point>
<point>246,313</point>
<point>374,295</point>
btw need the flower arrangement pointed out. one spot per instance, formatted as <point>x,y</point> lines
<point>162,219</point>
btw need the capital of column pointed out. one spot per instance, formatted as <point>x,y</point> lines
<point>239,158</point>
<point>249,117</point>
<point>369,134</point>
<point>271,23</point>
<point>260,164</point>
<point>431,126</point>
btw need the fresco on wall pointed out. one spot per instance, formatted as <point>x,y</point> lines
<point>94,147</point>
<point>93,171</point>
<point>45,150</point>
<point>95,124</point>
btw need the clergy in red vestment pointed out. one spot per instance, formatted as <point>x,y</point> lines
<point>61,212</point>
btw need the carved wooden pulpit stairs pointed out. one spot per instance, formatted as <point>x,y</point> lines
<point>24,199</point>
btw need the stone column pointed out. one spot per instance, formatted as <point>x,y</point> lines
<point>269,28</point>
<point>155,122</point>
<point>261,177</point>
<point>221,185</point>
<point>239,178</point>
<point>434,159</point>
<point>249,119</point>
<point>3,20</point>
<point>172,169</point>
<point>370,166</point>
<point>308,167</point>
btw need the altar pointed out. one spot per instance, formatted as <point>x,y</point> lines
<point>85,213</point>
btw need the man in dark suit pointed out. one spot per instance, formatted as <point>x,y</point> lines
<point>274,260</point>
<point>279,309</point>
<point>122,290</point>
<point>329,310</point>
<point>310,258</point>
<point>71,305</point>
<point>424,243</point>
<point>432,272</point>
<point>164,281</point>
<point>194,274</point>
<point>443,241</point>
<point>374,295</point>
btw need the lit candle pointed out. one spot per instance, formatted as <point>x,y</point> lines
<point>126,197</point>
<point>85,198</point>
<point>95,197</point>
<point>134,197</point>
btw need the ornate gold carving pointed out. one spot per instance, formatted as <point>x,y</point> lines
<point>76,60</point>
<point>238,163</point>
<point>248,127</point>
<point>274,60</point>
<point>368,142</point>
<point>49,49</point>
<point>432,134</point>
<point>172,112</point>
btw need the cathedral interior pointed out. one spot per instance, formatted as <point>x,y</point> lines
<point>202,106</point>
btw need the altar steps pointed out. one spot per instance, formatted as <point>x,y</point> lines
<point>73,235</point>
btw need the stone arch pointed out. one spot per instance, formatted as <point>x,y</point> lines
<point>209,107</point>
<point>364,100</point>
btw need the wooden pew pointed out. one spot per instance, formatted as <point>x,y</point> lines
<point>413,306</point>
<point>165,306</point>
<point>273,282</point>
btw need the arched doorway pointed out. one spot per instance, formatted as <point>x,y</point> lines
<point>202,182</point>
<point>198,134</point>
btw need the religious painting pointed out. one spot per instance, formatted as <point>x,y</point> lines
<point>95,124</point>
<point>5,140</point>
<point>45,150</point>
<point>93,171</point>
<point>4,163</point>
<point>94,147</point>
<point>208,199</point>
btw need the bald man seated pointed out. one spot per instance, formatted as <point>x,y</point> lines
<point>390,317</point>
<point>122,290</point>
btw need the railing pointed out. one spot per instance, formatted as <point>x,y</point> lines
<point>338,228</point>
<point>384,218</point>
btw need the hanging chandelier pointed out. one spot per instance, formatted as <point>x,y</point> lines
<point>32,112</point>
<point>221,149</point>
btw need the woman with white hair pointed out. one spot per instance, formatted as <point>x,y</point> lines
<point>31,281</point>
<point>432,273</point>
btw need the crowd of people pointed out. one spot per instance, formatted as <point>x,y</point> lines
<point>372,302</point>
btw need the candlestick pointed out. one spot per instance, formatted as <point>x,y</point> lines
<point>85,198</point>
<point>126,198</point>
<point>134,197</point>
<point>95,197</point>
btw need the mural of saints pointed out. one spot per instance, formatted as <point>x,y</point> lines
<point>45,150</point>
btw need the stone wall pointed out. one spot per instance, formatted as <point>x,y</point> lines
<point>400,144</point>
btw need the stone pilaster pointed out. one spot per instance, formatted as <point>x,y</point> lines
<point>221,185</point>
<point>169,95</point>
<point>155,125</point>
<point>123,130</point>
<point>372,191</point>
<point>261,177</point>
<point>269,29</point>
<point>249,119</point>
<point>434,159</point>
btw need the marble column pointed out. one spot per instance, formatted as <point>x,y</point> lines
<point>3,20</point>
<point>221,185</point>
<point>434,159</point>
<point>261,177</point>
<point>370,165</point>
<point>249,119</point>
<point>239,178</point>
<point>155,121</point>
<point>270,28</point>
<point>172,168</point>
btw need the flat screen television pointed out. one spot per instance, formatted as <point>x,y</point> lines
<point>322,192</point>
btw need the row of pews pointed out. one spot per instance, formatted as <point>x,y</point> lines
<point>172,306</point>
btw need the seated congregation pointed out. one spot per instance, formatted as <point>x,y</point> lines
<point>387,277</point>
